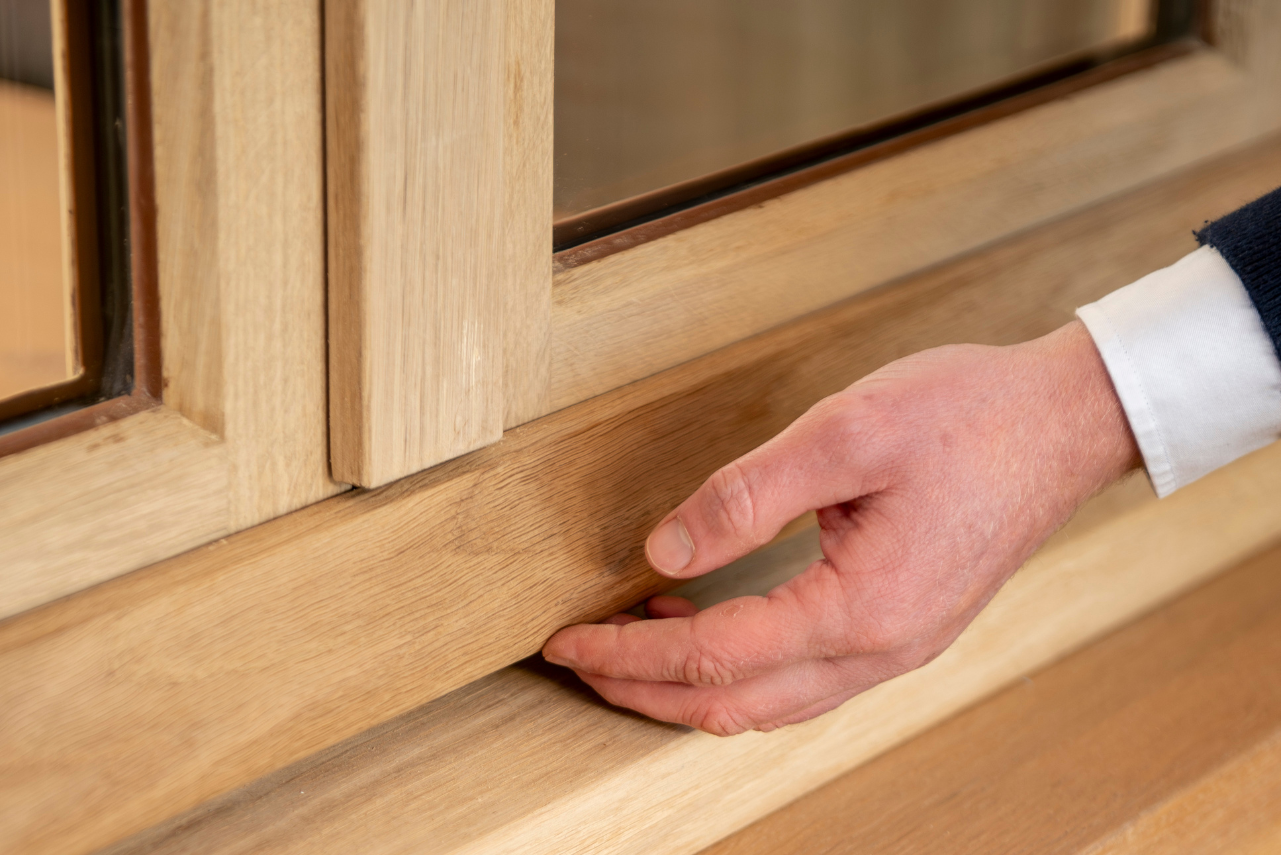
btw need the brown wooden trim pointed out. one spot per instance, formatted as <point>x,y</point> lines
<point>889,147</point>
<point>145,301</point>
<point>82,419</point>
<point>44,397</point>
<point>142,201</point>
<point>84,183</point>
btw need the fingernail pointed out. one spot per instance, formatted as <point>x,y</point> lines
<point>669,548</point>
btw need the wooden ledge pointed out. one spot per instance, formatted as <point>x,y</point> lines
<point>1163,738</point>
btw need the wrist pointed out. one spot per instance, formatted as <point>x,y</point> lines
<point>1093,437</point>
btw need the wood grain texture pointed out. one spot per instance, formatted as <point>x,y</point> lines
<point>269,166</point>
<point>440,221</point>
<point>105,501</point>
<point>1163,738</point>
<point>240,230</point>
<point>527,761</point>
<point>637,312</point>
<point>186,164</point>
<point>527,164</point>
<point>316,626</point>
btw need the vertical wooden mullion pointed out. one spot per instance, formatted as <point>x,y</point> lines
<point>439,210</point>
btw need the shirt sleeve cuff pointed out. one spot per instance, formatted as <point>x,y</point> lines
<point>1193,366</point>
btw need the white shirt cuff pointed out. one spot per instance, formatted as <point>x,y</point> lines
<point>1193,366</point>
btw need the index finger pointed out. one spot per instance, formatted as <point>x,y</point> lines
<point>726,642</point>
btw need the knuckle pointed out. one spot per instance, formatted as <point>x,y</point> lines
<point>719,718</point>
<point>858,422</point>
<point>703,669</point>
<point>732,501</point>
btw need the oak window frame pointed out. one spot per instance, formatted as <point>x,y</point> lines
<point>315,626</point>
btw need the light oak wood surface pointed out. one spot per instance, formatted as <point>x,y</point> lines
<point>1163,738</point>
<point>122,495</point>
<point>240,230</point>
<point>440,206</point>
<point>268,166</point>
<point>527,761</point>
<point>306,630</point>
<point>631,314</point>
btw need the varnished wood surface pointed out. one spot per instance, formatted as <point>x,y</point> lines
<point>528,761</point>
<point>291,636</point>
<point>1163,738</point>
<point>440,205</point>
<point>631,314</point>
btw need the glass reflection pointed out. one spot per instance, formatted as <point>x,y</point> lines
<point>650,94</point>
<point>36,349</point>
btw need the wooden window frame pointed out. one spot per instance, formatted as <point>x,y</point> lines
<point>318,625</point>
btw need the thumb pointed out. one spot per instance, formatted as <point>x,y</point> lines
<point>814,463</point>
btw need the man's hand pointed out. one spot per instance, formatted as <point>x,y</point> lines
<point>934,479</point>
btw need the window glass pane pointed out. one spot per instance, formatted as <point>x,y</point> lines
<point>66,310</point>
<point>650,94</point>
<point>35,349</point>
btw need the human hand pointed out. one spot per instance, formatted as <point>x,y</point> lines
<point>934,479</point>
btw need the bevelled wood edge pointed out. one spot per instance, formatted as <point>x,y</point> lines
<point>878,148</point>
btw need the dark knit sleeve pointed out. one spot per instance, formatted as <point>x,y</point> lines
<point>1249,240</point>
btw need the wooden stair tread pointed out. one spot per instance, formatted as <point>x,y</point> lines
<point>1164,737</point>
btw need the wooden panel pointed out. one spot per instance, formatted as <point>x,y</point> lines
<point>440,208</point>
<point>1164,738</point>
<point>631,314</point>
<point>311,628</point>
<point>532,763</point>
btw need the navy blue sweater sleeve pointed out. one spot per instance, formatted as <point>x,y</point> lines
<point>1249,240</point>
